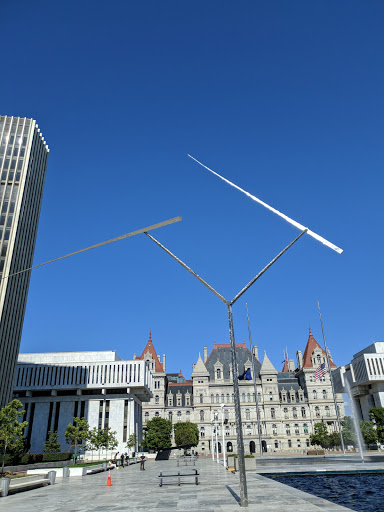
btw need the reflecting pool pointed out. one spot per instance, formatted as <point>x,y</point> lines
<point>363,492</point>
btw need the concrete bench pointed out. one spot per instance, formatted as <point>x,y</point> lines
<point>97,468</point>
<point>23,483</point>
<point>179,475</point>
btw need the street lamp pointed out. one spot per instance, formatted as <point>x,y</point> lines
<point>222,428</point>
<point>255,387</point>
<point>217,444</point>
<point>212,443</point>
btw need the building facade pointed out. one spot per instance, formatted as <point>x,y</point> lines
<point>23,163</point>
<point>290,401</point>
<point>56,387</point>
<point>363,379</point>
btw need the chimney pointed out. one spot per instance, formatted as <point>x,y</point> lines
<point>299,356</point>
<point>205,355</point>
<point>163,362</point>
<point>291,365</point>
<point>255,351</point>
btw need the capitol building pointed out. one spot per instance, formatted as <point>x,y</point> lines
<point>290,401</point>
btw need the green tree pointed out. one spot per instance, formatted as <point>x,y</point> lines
<point>186,434</point>
<point>52,445</point>
<point>348,430</point>
<point>11,429</point>
<point>376,415</point>
<point>158,434</point>
<point>334,440</point>
<point>96,440</point>
<point>132,440</point>
<point>77,433</point>
<point>110,440</point>
<point>368,432</point>
<point>320,436</point>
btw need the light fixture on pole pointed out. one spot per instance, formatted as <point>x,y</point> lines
<point>222,428</point>
<point>331,378</point>
<point>255,387</point>
<point>212,443</point>
<point>217,444</point>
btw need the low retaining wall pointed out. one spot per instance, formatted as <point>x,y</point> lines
<point>42,465</point>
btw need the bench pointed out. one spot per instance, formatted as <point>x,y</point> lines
<point>97,468</point>
<point>17,484</point>
<point>186,462</point>
<point>179,476</point>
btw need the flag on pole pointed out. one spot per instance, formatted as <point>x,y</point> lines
<point>246,375</point>
<point>320,371</point>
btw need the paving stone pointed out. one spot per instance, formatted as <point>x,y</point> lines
<point>133,490</point>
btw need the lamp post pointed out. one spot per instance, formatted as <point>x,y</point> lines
<point>229,304</point>
<point>222,428</point>
<point>255,387</point>
<point>212,443</point>
<point>217,444</point>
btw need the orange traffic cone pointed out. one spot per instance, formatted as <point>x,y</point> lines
<point>109,479</point>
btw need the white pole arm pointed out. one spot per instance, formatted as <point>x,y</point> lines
<point>285,217</point>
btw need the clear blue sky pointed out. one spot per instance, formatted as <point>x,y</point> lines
<point>283,98</point>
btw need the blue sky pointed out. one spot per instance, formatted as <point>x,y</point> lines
<point>283,98</point>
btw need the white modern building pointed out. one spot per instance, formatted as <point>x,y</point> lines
<point>365,376</point>
<point>23,164</point>
<point>56,387</point>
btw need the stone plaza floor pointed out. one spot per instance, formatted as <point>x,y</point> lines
<point>132,490</point>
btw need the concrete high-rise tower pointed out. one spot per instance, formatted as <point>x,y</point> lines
<point>23,163</point>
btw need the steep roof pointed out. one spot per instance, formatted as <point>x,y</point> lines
<point>151,349</point>
<point>222,353</point>
<point>267,367</point>
<point>311,346</point>
<point>286,365</point>
<point>199,370</point>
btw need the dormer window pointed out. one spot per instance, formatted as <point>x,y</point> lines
<point>218,371</point>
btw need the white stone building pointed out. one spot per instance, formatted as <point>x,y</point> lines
<point>291,401</point>
<point>365,375</point>
<point>56,387</point>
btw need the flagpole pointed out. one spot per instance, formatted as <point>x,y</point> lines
<point>330,376</point>
<point>254,383</point>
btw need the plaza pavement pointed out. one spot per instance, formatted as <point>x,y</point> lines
<point>135,490</point>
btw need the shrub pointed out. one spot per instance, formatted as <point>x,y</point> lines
<point>54,457</point>
<point>31,458</point>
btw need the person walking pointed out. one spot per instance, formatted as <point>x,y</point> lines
<point>142,462</point>
<point>122,460</point>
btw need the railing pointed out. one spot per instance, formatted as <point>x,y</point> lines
<point>91,375</point>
